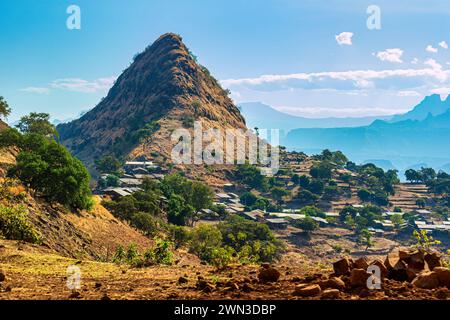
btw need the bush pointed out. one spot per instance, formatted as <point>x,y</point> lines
<point>205,238</point>
<point>307,224</point>
<point>14,225</point>
<point>179,235</point>
<point>160,254</point>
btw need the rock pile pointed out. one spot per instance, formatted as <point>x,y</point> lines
<point>403,271</point>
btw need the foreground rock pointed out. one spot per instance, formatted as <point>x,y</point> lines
<point>268,274</point>
<point>305,290</point>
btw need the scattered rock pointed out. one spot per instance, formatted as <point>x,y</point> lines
<point>358,277</point>
<point>2,275</point>
<point>182,280</point>
<point>204,286</point>
<point>268,274</point>
<point>105,297</point>
<point>426,280</point>
<point>342,267</point>
<point>331,294</point>
<point>75,295</point>
<point>247,288</point>
<point>305,290</point>
<point>332,283</point>
<point>442,294</point>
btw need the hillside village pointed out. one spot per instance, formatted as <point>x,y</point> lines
<point>229,200</point>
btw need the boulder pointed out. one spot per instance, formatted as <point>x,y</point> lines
<point>433,260</point>
<point>332,283</point>
<point>331,294</point>
<point>268,274</point>
<point>391,260</point>
<point>2,275</point>
<point>426,280</point>
<point>303,290</point>
<point>416,260</point>
<point>443,275</point>
<point>361,263</point>
<point>399,272</point>
<point>358,277</point>
<point>404,254</point>
<point>342,267</point>
<point>383,269</point>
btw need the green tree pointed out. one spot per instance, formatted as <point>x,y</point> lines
<point>308,224</point>
<point>108,164</point>
<point>49,169</point>
<point>365,238</point>
<point>5,109</point>
<point>412,176</point>
<point>397,220</point>
<point>365,195</point>
<point>279,193</point>
<point>306,197</point>
<point>38,123</point>
<point>202,196</point>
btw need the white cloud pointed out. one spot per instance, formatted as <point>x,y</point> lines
<point>37,90</point>
<point>433,64</point>
<point>317,112</point>
<point>408,93</point>
<point>415,61</point>
<point>431,49</point>
<point>391,55</point>
<point>344,38</point>
<point>443,44</point>
<point>81,85</point>
<point>354,76</point>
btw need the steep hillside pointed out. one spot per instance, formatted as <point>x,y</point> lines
<point>89,235</point>
<point>164,84</point>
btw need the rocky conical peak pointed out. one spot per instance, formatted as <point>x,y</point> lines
<point>164,84</point>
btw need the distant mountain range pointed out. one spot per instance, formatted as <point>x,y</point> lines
<point>418,137</point>
<point>260,115</point>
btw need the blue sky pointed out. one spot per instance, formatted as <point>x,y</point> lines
<point>280,52</point>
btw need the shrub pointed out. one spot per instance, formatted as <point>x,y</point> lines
<point>205,238</point>
<point>179,235</point>
<point>160,253</point>
<point>14,225</point>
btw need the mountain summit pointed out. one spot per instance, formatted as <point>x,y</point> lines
<point>163,89</point>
